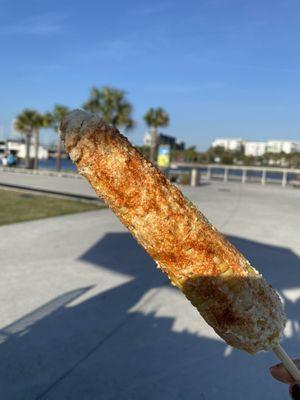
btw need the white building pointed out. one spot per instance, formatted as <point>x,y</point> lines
<point>19,149</point>
<point>285,146</point>
<point>147,139</point>
<point>228,143</point>
<point>251,148</point>
<point>254,148</point>
<point>164,139</point>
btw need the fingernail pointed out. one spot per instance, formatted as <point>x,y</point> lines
<point>275,366</point>
<point>295,392</point>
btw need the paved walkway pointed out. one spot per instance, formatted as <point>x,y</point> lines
<point>73,186</point>
<point>86,315</point>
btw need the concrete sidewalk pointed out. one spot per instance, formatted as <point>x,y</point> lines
<point>86,315</point>
<point>63,185</point>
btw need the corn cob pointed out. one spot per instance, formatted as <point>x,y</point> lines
<point>227,291</point>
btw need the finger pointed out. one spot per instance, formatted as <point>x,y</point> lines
<point>280,373</point>
<point>295,392</point>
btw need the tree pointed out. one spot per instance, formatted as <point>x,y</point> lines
<point>58,113</point>
<point>29,122</point>
<point>25,123</point>
<point>46,122</point>
<point>94,103</point>
<point>40,121</point>
<point>154,118</point>
<point>112,106</point>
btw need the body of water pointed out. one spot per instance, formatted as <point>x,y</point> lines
<point>50,164</point>
<point>217,173</point>
<point>66,164</point>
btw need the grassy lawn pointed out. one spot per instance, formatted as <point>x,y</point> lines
<point>18,207</point>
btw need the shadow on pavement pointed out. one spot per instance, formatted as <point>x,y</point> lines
<point>101,349</point>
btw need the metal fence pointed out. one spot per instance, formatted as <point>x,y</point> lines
<point>244,174</point>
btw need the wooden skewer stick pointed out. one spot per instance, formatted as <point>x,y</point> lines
<point>287,362</point>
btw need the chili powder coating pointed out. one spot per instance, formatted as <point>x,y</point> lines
<point>217,279</point>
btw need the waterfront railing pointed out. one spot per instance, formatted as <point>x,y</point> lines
<point>194,174</point>
<point>244,174</point>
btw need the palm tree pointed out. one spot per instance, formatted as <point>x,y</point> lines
<point>29,122</point>
<point>112,106</point>
<point>41,121</point>
<point>154,118</point>
<point>94,102</point>
<point>25,124</point>
<point>58,113</point>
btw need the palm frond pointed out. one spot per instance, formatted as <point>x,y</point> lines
<point>112,105</point>
<point>155,117</point>
<point>28,120</point>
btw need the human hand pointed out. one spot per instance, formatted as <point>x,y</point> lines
<point>281,374</point>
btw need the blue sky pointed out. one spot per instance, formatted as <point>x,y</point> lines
<point>219,67</point>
